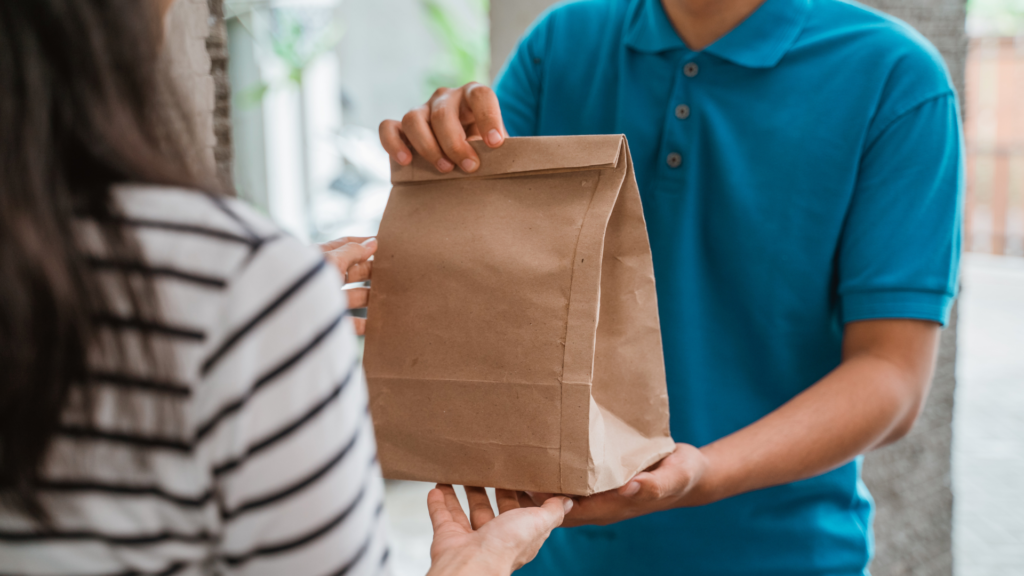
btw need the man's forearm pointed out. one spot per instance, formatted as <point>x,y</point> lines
<point>868,401</point>
<point>872,398</point>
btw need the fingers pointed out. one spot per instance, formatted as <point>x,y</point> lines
<point>438,129</point>
<point>451,502</point>
<point>335,244</point>
<point>674,477</point>
<point>644,486</point>
<point>360,326</point>
<point>525,500</point>
<point>480,511</point>
<point>538,497</point>
<point>446,123</point>
<point>416,127</point>
<point>359,272</point>
<point>556,508</point>
<point>352,259</point>
<point>550,516</point>
<point>483,104</point>
<point>391,138</point>
<point>357,297</point>
<point>506,500</point>
<point>350,253</point>
<point>439,513</point>
<point>601,509</point>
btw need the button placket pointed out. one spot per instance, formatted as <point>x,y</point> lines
<point>675,144</point>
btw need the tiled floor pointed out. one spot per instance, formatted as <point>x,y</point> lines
<point>406,507</point>
<point>988,463</point>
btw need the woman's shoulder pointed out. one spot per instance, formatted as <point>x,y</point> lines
<point>185,209</point>
<point>220,263</point>
<point>204,229</point>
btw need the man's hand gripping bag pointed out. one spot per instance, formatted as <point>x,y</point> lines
<point>512,338</point>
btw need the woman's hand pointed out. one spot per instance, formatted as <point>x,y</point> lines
<point>440,129</point>
<point>351,256</point>
<point>485,545</point>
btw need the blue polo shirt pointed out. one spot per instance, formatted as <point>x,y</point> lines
<point>802,172</point>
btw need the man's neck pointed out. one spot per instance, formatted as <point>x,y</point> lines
<point>701,22</point>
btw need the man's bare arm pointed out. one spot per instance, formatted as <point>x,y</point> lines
<point>871,399</point>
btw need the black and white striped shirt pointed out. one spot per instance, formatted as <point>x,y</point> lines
<point>276,471</point>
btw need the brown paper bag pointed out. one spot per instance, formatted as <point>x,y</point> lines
<point>513,337</point>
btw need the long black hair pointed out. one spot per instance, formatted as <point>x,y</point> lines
<point>86,102</point>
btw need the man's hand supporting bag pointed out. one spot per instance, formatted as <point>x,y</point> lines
<point>870,400</point>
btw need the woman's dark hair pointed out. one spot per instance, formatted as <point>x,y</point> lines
<point>85,102</point>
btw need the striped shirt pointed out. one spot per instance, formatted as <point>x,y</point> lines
<point>273,467</point>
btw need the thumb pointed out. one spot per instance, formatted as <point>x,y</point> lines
<point>555,510</point>
<point>348,255</point>
<point>643,487</point>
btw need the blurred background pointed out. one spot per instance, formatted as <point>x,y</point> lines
<point>293,91</point>
<point>312,79</point>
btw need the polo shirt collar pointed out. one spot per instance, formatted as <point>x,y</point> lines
<point>760,41</point>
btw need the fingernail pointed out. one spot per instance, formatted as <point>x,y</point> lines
<point>469,164</point>
<point>567,505</point>
<point>631,489</point>
<point>494,137</point>
<point>444,165</point>
<point>369,242</point>
<point>403,157</point>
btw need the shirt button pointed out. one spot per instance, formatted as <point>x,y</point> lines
<point>691,69</point>
<point>682,111</point>
<point>674,160</point>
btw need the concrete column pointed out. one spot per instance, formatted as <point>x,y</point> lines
<point>911,480</point>
<point>509,19</point>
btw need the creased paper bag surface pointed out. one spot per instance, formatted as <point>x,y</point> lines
<point>512,338</point>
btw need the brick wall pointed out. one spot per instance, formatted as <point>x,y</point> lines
<point>217,47</point>
<point>994,211</point>
<point>196,44</point>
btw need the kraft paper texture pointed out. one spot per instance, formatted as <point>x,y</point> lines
<point>512,337</point>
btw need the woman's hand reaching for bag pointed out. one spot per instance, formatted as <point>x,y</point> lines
<point>485,544</point>
<point>351,256</point>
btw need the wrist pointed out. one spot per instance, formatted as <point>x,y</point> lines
<point>470,561</point>
<point>713,483</point>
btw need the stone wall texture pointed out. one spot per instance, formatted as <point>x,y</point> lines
<point>911,480</point>
<point>911,483</point>
<point>217,46</point>
<point>196,42</point>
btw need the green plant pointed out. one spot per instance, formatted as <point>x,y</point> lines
<point>1006,16</point>
<point>466,51</point>
<point>296,38</point>
<point>295,44</point>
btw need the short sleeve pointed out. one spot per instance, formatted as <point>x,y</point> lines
<point>900,248</point>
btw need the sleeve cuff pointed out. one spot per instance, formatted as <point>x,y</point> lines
<point>908,304</point>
